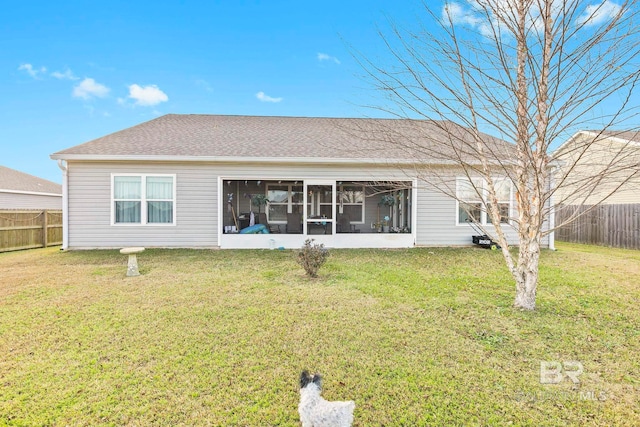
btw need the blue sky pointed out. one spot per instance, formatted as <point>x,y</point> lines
<point>73,71</point>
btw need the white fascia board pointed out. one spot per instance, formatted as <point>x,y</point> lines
<point>565,144</point>
<point>243,160</point>
<point>592,134</point>
<point>630,142</point>
<point>30,193</point>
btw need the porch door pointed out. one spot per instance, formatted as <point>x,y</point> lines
<point>319,207</point>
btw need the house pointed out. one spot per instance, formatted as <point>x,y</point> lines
<point>202,181</point>
<point>597,180</point>
<point>598,167</point>
<point>19,190</point>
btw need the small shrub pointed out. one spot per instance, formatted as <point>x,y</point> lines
<point>312,256</point>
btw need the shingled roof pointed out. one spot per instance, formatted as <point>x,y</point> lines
<point>626,135</point>
<point>15,181</point>
<point>220,137</point>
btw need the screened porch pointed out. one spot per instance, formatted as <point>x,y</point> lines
<point>330,211</point>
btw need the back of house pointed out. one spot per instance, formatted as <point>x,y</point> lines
<point>211,181</point>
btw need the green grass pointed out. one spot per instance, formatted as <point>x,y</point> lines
<point>415,337</point>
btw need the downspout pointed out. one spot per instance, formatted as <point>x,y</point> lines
<point>65,204</point>
<point>414,211</point>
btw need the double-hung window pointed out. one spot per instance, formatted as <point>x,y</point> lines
<point>469,196</point>
<point>143,199</point>
<point>472,197</point>
<point>503,193</point>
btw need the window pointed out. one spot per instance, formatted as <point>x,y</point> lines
<point>127,197</point>
<point>283,199</point>
<point>503,193</point>
<point>469,200</point>
<point>143,199</point>
<point>351,201</point>
<point>472,197</point>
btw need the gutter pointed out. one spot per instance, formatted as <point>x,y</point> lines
<point>229,159</point>
<point>31,193</point>
<point>250,160</point>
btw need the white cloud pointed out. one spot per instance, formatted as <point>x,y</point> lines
<point>597,14</point>
<point>147,96</point>
<point>33,72</point>
<point>325,57</point>
<point>266,98</point>
<point>457,14</point>
<point>487,16</point>
<point>204,85</point>
<point>89,88</point>
<point>66,75</point>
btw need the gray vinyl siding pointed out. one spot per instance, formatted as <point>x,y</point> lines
<point>437,221</point>
<point>29,201</point>
<point>620,186</point>
<point>437,217</point>
<point>197,203</point>
<point>90,208</point>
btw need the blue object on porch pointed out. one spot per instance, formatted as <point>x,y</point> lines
<point>255,229</point>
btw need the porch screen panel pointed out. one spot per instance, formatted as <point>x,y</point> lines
<point>127,195</point>
<point>283,199</point>
<point>297,196</point>
<point>352,200</point>
<point>325,202</point>
<point>278,196</point>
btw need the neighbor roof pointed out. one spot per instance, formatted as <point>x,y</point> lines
<point>219,137</point>
<point>12,180</point>
<point>585,138</point>
<point>627,135</point>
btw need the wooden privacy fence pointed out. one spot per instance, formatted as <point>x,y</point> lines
<point>606,225</point>
<point>27,229</point>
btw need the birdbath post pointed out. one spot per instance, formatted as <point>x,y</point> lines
<point>132,265</point>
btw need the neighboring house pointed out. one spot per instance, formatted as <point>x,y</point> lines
<point>19,190</point>
<point>598,167</point>
<point>597,198</point>
<point>189,181</point>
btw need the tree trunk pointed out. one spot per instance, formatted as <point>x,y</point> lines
<point>527,274</point>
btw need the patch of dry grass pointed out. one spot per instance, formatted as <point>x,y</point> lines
<point>415,337</point>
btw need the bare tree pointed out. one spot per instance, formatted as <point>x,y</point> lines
<point>530,72</point>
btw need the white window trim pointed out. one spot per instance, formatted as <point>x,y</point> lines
<point>143,201</point>
<point>483,201</point>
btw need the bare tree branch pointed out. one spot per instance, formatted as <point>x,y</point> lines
<point>533,73</point>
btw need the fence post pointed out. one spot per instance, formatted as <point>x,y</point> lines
<point>45,229</point>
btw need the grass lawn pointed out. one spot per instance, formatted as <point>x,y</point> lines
<point>415,337</point>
